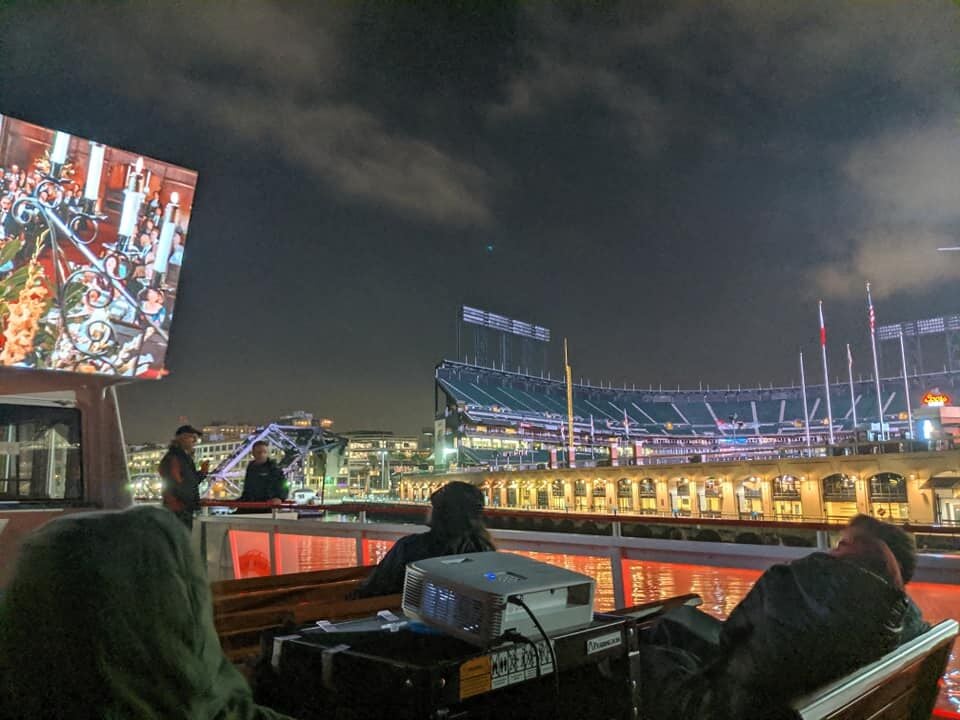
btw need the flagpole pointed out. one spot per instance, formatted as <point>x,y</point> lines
<point>853,397</point>
<point>826,372</point>
<point>806,412</point>
<point>906,385</point>
<point>876,366</point>
<point>571,450</point>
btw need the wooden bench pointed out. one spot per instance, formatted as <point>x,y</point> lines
<point>245,609</point>
<point>899,686</point>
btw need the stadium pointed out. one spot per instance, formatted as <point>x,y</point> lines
<point>493,418</point>
<point>490,418</point>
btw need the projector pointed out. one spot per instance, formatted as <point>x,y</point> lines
<point>468,596</point>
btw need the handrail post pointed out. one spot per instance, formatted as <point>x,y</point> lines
<point>359,548</point>
<point>616,571</point>
<point>271,538</point>
<point>823,540</point>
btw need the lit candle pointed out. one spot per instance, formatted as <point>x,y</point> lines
<point>132,197</point>
<point>165,243</point>
<point>61,142</point>
<point>94,171</point>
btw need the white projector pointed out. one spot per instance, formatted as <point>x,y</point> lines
<point>468,596</point>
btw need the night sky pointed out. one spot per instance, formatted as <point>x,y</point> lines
<point>670,185</point>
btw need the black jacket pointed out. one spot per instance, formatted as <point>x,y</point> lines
<point>181,480</point>
<point>387,577</point>
<point>801,626</point>
<point>264,482</point>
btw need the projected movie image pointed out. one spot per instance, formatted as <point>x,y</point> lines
<point>91,245</point>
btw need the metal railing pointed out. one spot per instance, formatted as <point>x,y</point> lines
<point>680,517</point>
<point>612,544</point>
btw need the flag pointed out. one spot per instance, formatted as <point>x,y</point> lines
<point>592,435</point>
<point>626,422</point>
<point>849,357</point>
<point>823,328</point>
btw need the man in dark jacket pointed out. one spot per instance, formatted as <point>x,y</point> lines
<point>802,625</point>
<point>181,479</point>
<point>264,481</point>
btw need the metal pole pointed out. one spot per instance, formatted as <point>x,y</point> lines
<point>571,450</point>
<point>803,390</point>
<point>876,367</point>
<point>906,385</point>
<point>826,374</point>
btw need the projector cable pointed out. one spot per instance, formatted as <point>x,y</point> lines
<point>518,600</point>
<point>515,637</point>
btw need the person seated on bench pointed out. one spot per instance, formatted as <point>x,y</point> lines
<point>904,549</point>
<point>109,615</point>
<point>455,528</point>
<point>801,625</point>
<point>698,632</point>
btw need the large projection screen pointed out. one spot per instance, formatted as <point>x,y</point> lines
<point>91,245</point>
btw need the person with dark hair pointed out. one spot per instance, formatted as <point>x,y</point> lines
<point>802,625</point>
<point>181,479</point>
<point>109,615</point>
<point>904,549</point>
<point>455,528</point>
<point>264,481</point>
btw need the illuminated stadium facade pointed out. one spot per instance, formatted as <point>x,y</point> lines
<point>489,418</point>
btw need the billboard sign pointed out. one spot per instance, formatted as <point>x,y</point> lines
<point>92,239</point>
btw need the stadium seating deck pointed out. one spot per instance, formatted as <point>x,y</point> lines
<point>494,394</point>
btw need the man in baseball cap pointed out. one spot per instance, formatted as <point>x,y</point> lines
<point>181,479</point>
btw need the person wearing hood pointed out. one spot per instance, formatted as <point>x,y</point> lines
<point>455,528</point>
<point>109,616</point>
<point>264,481</point>
<point>802,625</point>
<point>181,479</point>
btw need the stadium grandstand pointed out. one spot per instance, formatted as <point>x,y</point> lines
<point>491,418</point>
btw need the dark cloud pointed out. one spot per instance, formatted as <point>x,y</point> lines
<point>262,72</point>
<point>670,184</point>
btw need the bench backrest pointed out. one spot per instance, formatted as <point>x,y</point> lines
<point>222,588</point>
<point>900,685</point>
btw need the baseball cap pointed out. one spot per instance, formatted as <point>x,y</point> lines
<point>188,430</point>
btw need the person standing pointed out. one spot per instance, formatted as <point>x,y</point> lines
<point>181,479</point>
<point>264,481</point>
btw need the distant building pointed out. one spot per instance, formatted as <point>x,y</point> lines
<point>426,439</point>
<point>375,458</point>
<point>298,418</point>
<point>220,431</point>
